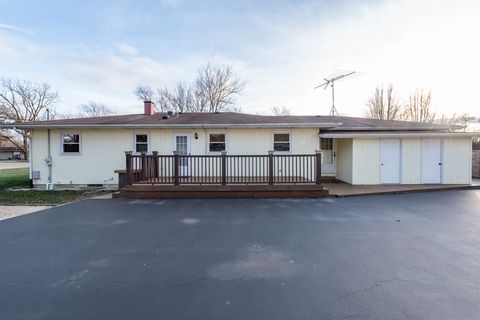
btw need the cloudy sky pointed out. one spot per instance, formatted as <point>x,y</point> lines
<point>100,50</point>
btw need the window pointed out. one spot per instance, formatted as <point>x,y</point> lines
<point>70,143</point>
<point>141,143</point>
<point>181,142</point>
<point>326,145</point>
<point>281,142</point>
<point>217,142</point>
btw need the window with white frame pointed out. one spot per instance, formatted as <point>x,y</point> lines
<point>141,143</point>
<point>281,142</point>
<point>326,145</point>
<point>217,142</point>
<point>70,143</point>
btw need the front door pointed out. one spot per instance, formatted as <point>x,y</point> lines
<point>390,161</point>
<point>431,161</point>
<point>328,147</point>
<point>182,146</point>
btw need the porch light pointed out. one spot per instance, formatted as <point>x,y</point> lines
<point>196,136</point>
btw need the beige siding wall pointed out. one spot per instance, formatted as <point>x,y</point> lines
<point>412,161</point>
<point>358,160</point>
<point>344,160</point>
<point>102,150</point>
<point>366,161</point>
<point>457,157</point>
<point>39,153</point>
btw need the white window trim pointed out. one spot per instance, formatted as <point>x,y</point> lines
<point>208,141</point>
<point>189,141</point>
<point>289,140</point>
<point>333,144</point>
<point>79,153</point>
<point>135,142</point>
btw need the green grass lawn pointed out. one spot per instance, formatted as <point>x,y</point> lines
<point>10,178</point>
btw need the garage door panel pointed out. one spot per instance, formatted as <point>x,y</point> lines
<point>390,161</point>
<point>431,161</point>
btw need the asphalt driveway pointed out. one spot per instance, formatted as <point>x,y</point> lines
<point>410,256</point>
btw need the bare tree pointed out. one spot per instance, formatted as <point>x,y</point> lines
<point>66,115</point>
<point>459,121</point>
<point>235,109</point>
<point>218,86</point>
<point>281,111</point>
<point>419,107</point>
<point>215,89</point>
<point>180,99</point>
<point>163,100</point>
<point>22,101</point>
<point>144,93</point>
<point>384,107</point>
<point>94,109</point>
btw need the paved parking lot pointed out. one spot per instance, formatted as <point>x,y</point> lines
<point>409,256</point>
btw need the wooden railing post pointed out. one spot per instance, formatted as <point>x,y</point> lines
<point>144,162</point>
<point>155,169</point>
<point>224,167</point>
<point>318,167</point>
<point>128,167</point>
<point>176,168</point>
<point>270,168</point>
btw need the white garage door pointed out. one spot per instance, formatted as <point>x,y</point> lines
<point>390,161</point>
<point>431,161</point>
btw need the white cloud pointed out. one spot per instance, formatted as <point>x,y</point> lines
<point>7,52</point>
<point>10,27</point>
<point>127,49</point>
<point>427,45</point>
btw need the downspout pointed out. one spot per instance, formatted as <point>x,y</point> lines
<point>205,142</point>
<point>48,160</point>
<point>30,162</point>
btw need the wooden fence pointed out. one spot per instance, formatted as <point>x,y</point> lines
<point>223,169</point>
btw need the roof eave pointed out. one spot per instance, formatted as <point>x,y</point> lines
<point>181,126</point>
<point>391,128</point>
<point>398,134</point>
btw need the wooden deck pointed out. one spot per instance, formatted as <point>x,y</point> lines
<point>215,180</point>
<point>222,176</point>
<point>224,191</point>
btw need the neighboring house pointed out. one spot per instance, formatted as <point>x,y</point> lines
<point>9,151</point>
<point>91,151</point>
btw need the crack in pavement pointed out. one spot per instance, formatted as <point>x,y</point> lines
<point>375,285</point>
<point>185,284</point>
<point>188,283</point>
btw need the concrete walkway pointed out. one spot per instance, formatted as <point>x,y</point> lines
<point>7,212</point>
<point>13,164</point>
<point>341,189</point>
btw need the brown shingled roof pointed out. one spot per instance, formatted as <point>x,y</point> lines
<point>230,119</point>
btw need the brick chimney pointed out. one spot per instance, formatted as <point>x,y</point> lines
<point>149,108</point>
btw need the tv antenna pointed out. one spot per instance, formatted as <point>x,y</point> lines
<point>331,82</point>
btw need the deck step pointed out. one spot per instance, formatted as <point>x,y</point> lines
<point>229,191</point>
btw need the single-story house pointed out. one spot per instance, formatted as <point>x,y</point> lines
<point>172,148</point>
<point>9,151</point>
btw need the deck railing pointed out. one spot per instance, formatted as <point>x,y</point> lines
<point>223,169</point>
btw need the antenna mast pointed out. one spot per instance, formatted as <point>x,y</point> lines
<point>331,82</point>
